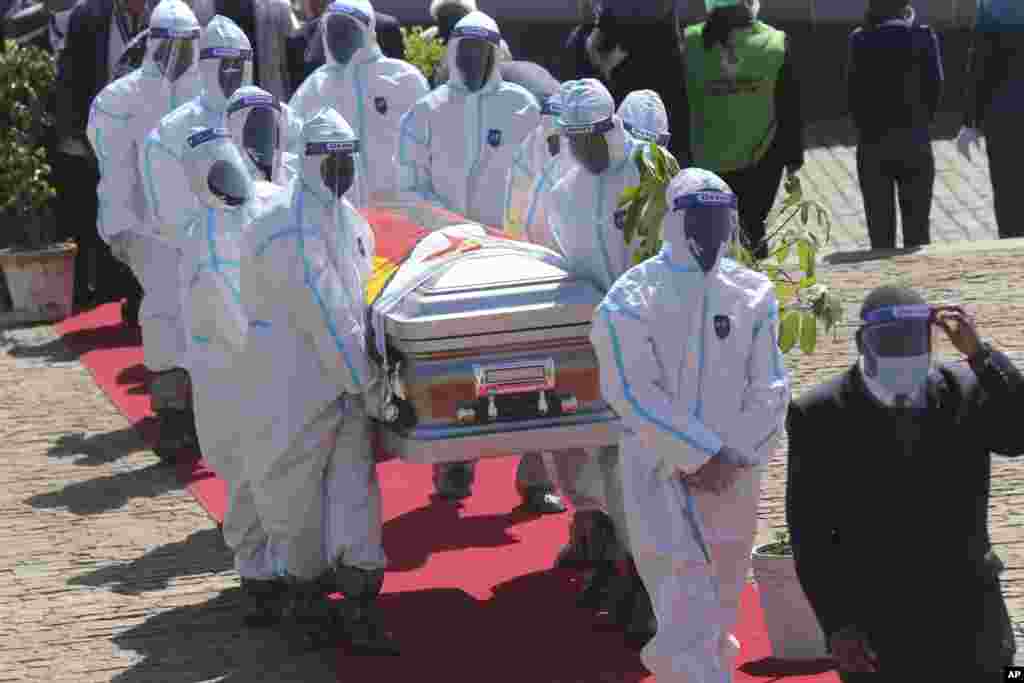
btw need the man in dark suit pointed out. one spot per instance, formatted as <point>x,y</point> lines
<point>83,69</point>
<point>888,468</point>
<point>306,50</point>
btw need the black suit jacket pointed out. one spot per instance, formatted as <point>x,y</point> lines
<point>84,67</point>
<point>389,37</point>
<point>888,512</point>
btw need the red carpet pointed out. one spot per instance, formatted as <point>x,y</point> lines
<point>469,593</point>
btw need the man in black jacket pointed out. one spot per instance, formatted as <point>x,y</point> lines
<point>83,69</point>
<point>888,468</point>
<point>306,50</point>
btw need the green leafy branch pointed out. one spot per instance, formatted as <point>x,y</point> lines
<point>424,53</point>
<point>804,302</point>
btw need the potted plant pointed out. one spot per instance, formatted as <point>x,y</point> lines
<point>790,262</point>
<point>38,270</point>
<point>423,49</point>
<point>793,629</point>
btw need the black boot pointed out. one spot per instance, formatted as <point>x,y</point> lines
<point>364,627</point>
<point>592,540</point>
<point>307,616</point>
<point>542,501</point>
<point>642,623</point>
<point>171,400</point>
<point>454,480</point>
<point>175,438</point>
<point>264,601</point>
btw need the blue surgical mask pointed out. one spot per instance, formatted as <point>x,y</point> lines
<point>902,376</point>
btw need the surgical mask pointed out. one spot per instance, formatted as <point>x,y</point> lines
<point>343,34</point>
<point>902,376</point>
<point>216,170</point>
<point>589,146</point>
<point>709,223</point>
<point>233,67</point>
<point>474,58</point>
<point>333,164</point>
<point>173,55</point>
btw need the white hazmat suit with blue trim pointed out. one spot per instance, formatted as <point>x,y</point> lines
<point>457,143</point>
<point>645,118</point>
<point>121,117</point>
<point>369,90</point>
<point>686,343</point>
<point>304,270</point>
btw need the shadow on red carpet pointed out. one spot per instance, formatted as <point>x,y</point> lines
<point>469,593</point>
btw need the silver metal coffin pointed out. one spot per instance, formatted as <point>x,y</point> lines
<point>495,359</point>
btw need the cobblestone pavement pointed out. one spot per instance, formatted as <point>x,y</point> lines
<point>109,572</point>
<point>962,198</point>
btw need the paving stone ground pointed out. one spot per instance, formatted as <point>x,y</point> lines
<point>109,572</point>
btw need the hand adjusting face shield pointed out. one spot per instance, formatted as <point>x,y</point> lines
<point>256,123</point>
<point>345,30</point>
<point>216,170</point>
<point>896,344</point>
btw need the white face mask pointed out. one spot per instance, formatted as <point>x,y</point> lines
<point>902,376</point>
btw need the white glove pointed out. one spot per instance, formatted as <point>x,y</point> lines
<point>965,138</point>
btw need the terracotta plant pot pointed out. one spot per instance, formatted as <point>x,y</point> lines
<point>41,281</point>
<point>792,627</point>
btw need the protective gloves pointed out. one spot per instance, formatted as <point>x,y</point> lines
<point>965,139</point>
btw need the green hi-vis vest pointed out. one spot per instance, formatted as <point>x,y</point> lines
<point>732,116</point>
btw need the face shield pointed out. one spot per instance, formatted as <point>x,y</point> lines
<point>216,171</point>
<point>332,165</point>
<point>174,52</point>
<point>588,144</point>
<point>344,32</point>
<point>257,126</point>
<point>474,59</point>
<point>660,139</point>
<point>710,220</point>
<point>233,65</point>
<point>896,344</point>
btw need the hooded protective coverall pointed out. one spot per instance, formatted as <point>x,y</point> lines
<point>369,90</point>
<point>537,165</point>
<point>686,344</point>
<point>456,148</point>
<point>305,265</point>
<point>644,117</point>
<point>122,114</point>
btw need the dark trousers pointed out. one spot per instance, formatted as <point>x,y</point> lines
<point>897,164</point>
<point>99,277</point>
<point>1004,146</point>
<point>755,188</point>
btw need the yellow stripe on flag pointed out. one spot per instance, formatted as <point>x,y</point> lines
<point>382,270</point>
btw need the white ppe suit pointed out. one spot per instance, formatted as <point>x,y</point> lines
<point>371,92</point>
<point>304,267</point>
<point>456,146</point>
<point>121,117</point>
<point>535,169</point>
<point>690,363</point>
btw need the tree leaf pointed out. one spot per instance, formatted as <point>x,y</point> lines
<point>789,331</point>
<point>782,253</point>
<point>808,332</point>
<point>629,194</point>
<point>806,254</point>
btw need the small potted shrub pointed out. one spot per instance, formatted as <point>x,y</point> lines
<point>423,49</point>
<point>38,270</point>
<point>792,627</point>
